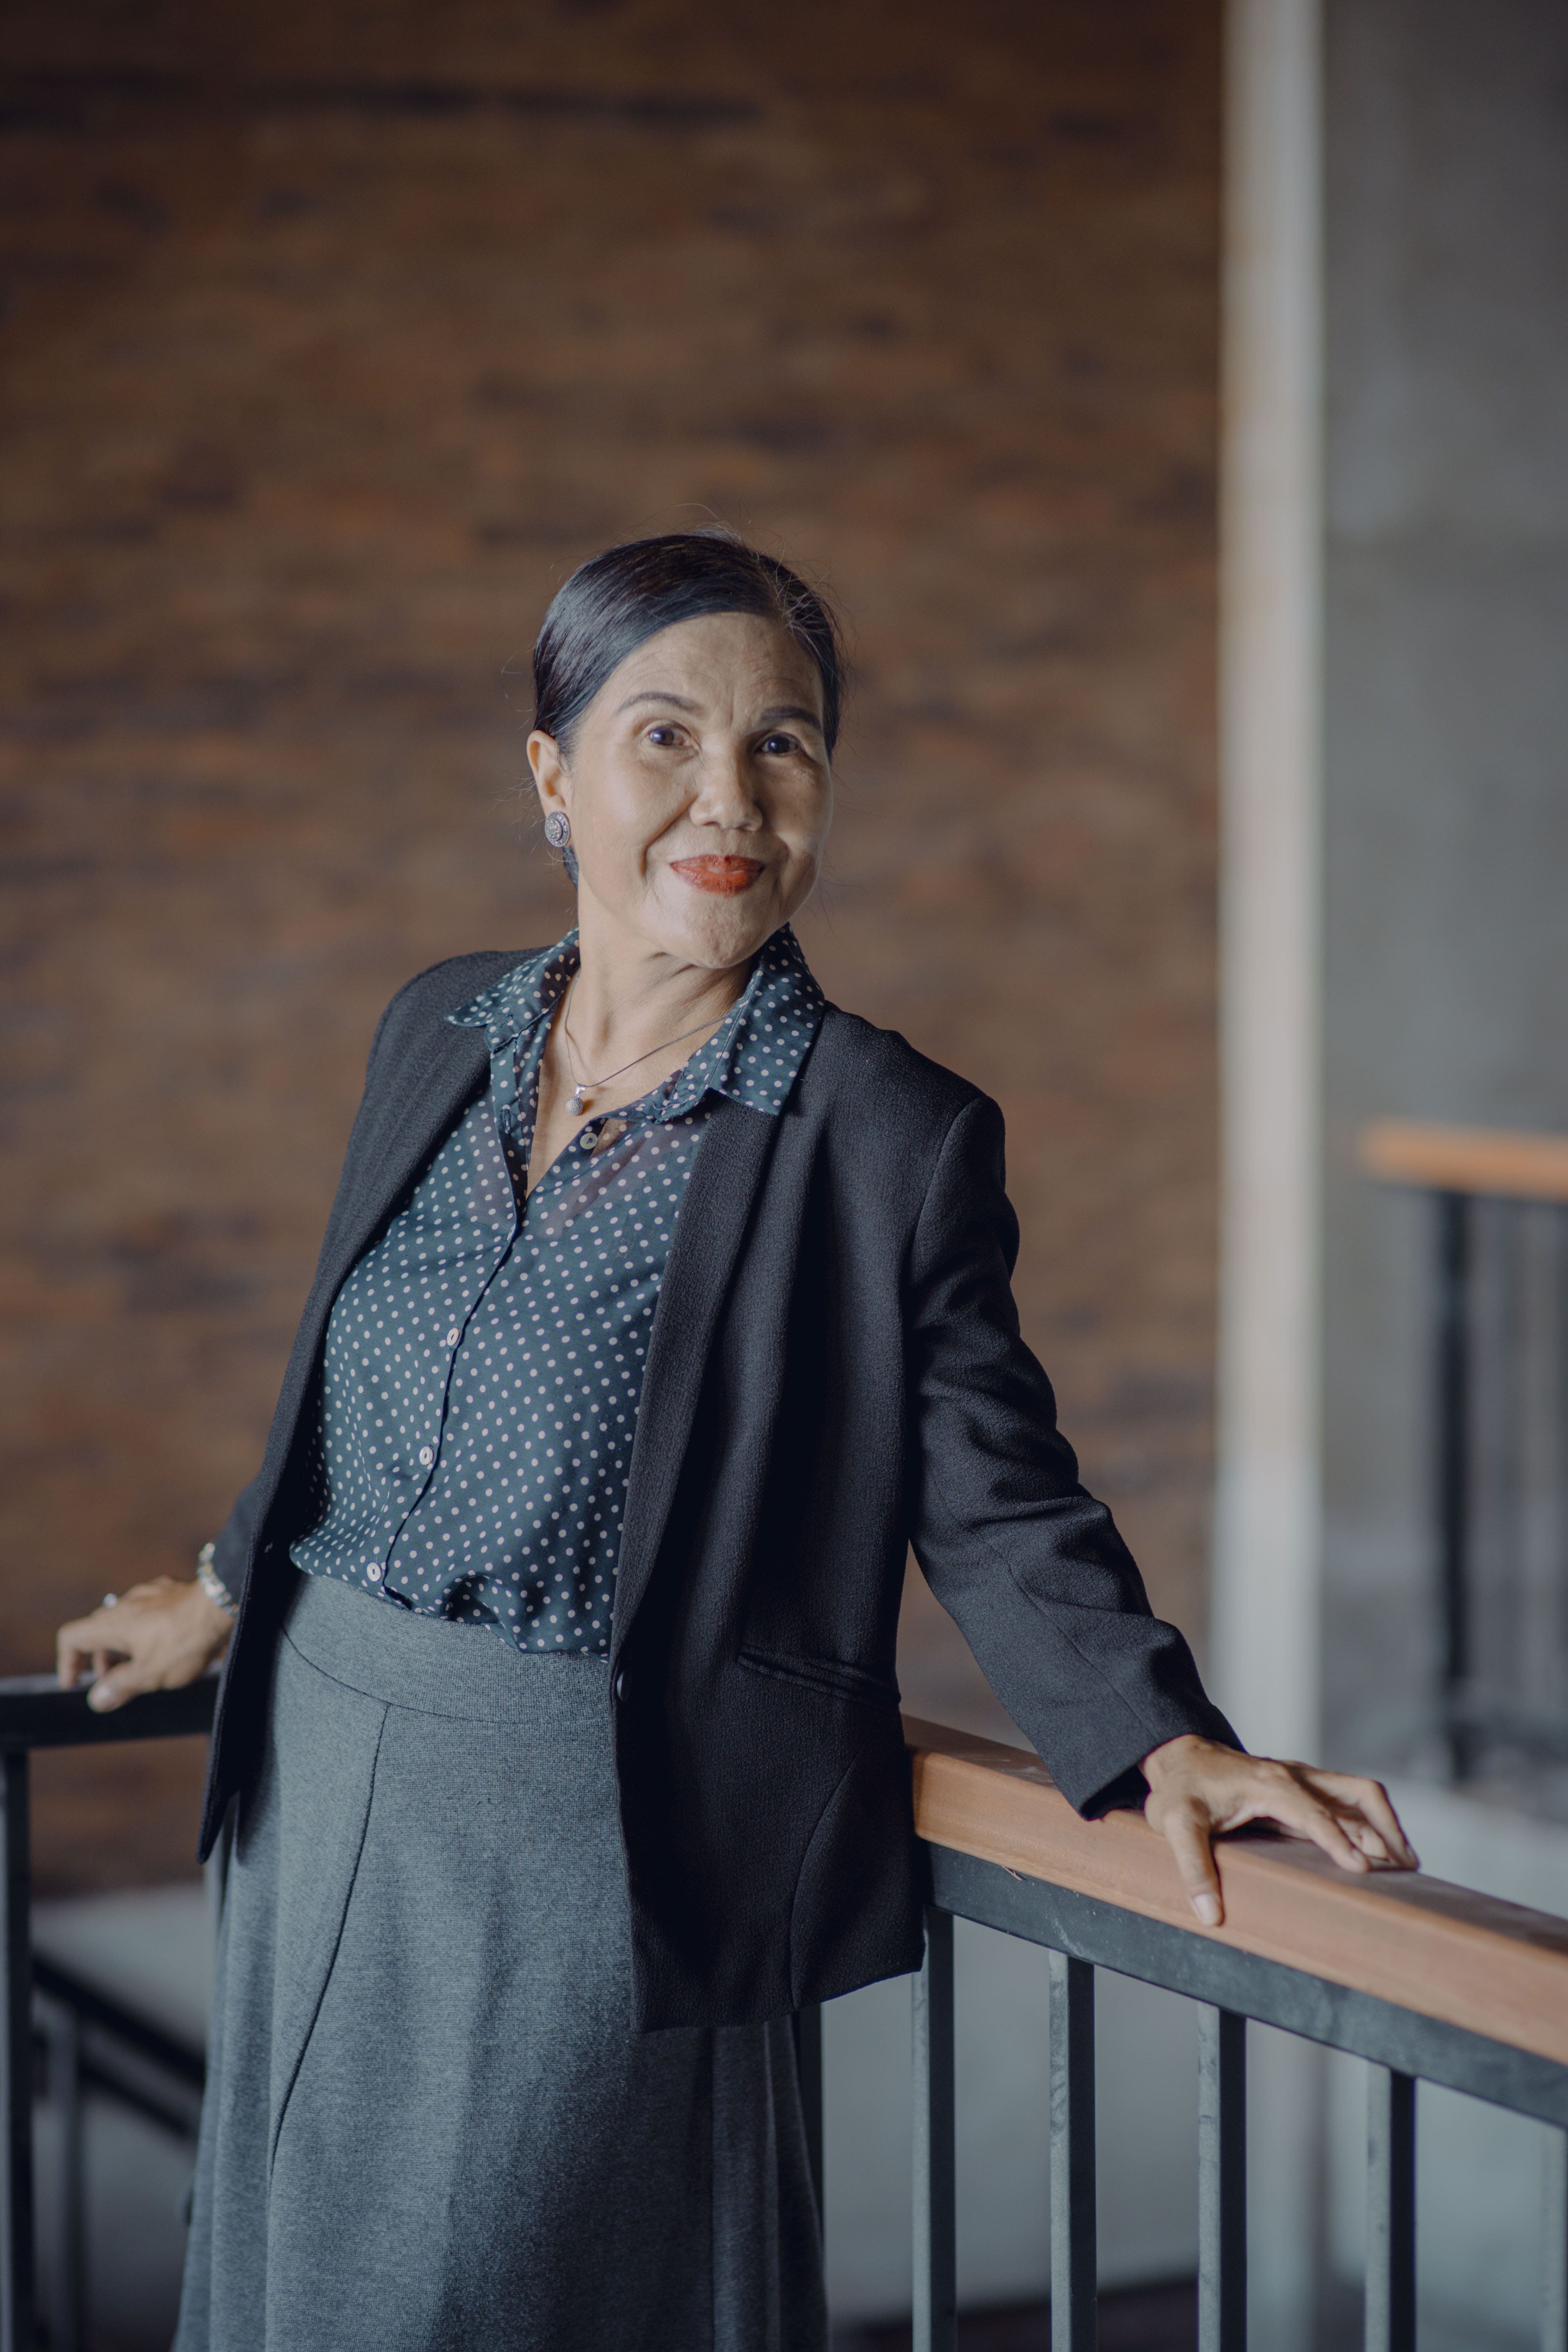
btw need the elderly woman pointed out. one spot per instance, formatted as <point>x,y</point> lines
<point>662,1306</point>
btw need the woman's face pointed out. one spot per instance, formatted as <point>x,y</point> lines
<point>698,788</point>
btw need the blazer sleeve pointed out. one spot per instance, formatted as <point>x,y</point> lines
<point>235,1544</point>
<point>1032,1568</point>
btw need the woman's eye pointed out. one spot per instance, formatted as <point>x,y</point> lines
<point>780,745</point>
<point>661,734</point>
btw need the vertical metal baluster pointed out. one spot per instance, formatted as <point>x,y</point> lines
<point>1391,2211</point>
<point>1074,2251</point>
<point>1554,2243</point>
<point>1560,1424</point>
<point>1453,1483</point>
<point>66,2287</point>
<point>808,2067</point>
<point>1222,2180</point>
<point>16,2070</point>
<point>935,2281</point>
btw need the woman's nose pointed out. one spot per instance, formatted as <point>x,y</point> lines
<point>726,792</point>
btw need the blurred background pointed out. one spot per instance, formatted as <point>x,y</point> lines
<point>334,337</point>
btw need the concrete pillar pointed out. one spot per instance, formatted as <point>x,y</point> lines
<point>1267,1567</point>
<point>1268,1563</point>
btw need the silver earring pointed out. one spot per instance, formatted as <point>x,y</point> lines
<point>557,829</point>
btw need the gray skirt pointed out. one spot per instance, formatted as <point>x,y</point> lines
<point>428,2125</point>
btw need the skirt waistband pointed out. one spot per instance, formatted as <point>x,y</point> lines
<point>436,1667</point>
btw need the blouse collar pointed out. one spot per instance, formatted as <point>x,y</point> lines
<point>754,1057</point>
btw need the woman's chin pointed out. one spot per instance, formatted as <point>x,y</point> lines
<point>721,933</point>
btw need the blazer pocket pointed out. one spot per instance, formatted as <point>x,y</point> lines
<point>834,1675</point>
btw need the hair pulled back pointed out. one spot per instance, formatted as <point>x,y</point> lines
<point>615,601</point>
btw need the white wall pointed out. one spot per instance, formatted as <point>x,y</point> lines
<point>1446,520</point>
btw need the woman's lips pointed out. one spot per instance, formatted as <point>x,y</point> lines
<point>725,876</point>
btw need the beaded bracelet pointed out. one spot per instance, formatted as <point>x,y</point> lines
<point>209,1579</point>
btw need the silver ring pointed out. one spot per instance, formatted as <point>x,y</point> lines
<point>110,1601</point>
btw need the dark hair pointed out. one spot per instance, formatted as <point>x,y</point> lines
<point>615,601</point>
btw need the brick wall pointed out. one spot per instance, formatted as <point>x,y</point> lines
<point>334,336</point>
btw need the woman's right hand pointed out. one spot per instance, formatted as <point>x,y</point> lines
<point>157,1636</point>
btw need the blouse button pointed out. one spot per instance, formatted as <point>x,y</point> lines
<point>453,1336</point>
<point>375,1571</point>
<point>587,1140</point>
<point>426,1456</point>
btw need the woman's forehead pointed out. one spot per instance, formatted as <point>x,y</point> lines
<point>716,660</point>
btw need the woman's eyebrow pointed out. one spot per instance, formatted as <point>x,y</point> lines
<point>781,710</point>
<point>791,711</point>
<point>654,694</point>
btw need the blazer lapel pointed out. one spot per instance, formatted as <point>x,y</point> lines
<point>395,1132</point>
<point>401,1129</point>
<point>708,1234</point>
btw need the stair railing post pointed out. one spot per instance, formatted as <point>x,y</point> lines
<point>1453,1474</point>
<point>1390,2211</point>
<point>1075,2291</point>
<point>1554,2242</point>
<point>1222,2180</point>
<point>16,2064</point>
<point>935,2173</point>
<point>66,2273</point>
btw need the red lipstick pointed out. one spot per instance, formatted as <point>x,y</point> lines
<point>727,877</point>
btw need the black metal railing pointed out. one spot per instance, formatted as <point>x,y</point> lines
<point>1481,2008</point>
<point>1499,1432</point>
<point>89,2040</point>
<point>1007,1851</point>
<point>84,2041</point>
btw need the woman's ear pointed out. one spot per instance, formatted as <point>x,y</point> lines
<point>548,771</point>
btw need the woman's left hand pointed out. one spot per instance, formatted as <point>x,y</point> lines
<point>1197,1787</point>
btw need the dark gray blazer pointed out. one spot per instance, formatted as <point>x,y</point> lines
<point>834,1371</point>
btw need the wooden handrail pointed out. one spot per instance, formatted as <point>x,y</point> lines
<point>1494,1160</point>
<point>1491,1968</point>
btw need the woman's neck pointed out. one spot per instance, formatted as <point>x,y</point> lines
<point>629,995</point>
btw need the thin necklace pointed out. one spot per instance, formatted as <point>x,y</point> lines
<point>584,1088</point>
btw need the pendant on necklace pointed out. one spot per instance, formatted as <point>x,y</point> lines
<point>580,1103</point>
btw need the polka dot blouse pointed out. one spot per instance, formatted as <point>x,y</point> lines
<point>484,1360</point>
